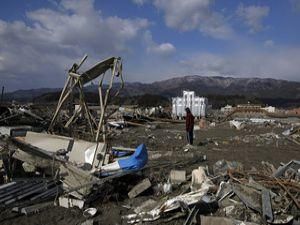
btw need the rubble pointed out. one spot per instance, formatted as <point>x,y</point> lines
<point>235,174</point>
<point>200,193</point>
<point>177,176</point>
<point>145,206</point>
<point>237,124</point>
<point>67,202</point>
<point>206,220</point>
<point>293,135</point>
<point>199,178</point>
<point>90,212</point>
<point>171,204</point>
<point>33,209</point>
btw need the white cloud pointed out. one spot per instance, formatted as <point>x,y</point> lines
<point>205,63</point>
<point>163,49</point>
<point>85,26</point>
<point>139,2</point>
<point>190,15</point>
<point>280,63</point>
<point>40,51</point>
<point>253,16</point>
<point>269,43</point>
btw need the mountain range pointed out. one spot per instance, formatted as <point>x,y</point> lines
<point>204,85</point>
<point>262,88</point>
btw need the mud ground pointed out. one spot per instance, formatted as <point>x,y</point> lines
<point>249,146</point>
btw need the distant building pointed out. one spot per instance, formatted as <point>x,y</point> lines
<point>295,111</point>
<point>197,105</point>
<point>269,109</point>
<point>248,109</point>
<point>227,109</point>
<point>248,106</point>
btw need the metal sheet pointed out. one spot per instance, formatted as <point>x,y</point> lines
<point>97,70</point>
<point>267,211</point>
<point>250,197</point>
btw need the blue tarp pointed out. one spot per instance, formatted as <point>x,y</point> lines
<point>119,153</point>
<point>136,161</point>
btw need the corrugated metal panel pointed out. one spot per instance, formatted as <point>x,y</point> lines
<point>17,191</point>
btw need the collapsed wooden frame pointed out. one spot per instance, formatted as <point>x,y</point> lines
<point>76,81</point>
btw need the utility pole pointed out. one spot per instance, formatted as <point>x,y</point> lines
<point>2,93</point>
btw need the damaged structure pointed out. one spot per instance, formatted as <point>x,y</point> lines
<point>74,167</point>
<point>129,167</point>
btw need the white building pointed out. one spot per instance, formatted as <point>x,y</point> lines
<point>227,109</point>
<point>197,105</point>
<point>269,109</point>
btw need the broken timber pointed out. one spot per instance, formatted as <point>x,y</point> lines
<point>139,188</point>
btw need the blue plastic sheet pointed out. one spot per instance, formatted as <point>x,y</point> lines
<point>136,161</point>
<point>119,153</point>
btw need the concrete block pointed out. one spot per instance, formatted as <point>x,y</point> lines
<point>70,202</point>
<point>139,188</point>
<point>177,176</point>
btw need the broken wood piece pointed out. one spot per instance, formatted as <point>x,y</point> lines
<point>293,140</point>
<point>74,176</point>
<point>288,192</point>
<point>124,149</point>
<point>139,188</point>
<point>191,217</point>
<point>135,124</point>
<point>33,208</point>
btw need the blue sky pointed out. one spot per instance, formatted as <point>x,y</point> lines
<point>157,39</point>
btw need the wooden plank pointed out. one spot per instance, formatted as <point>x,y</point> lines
<point>139,188</point>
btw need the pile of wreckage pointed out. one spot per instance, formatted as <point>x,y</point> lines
<point>230,194</point>
<point>70,172</point>
<point>15,114</point>
<point>293,134</point>
<point>68,167</point>
<point>223,194</point>
<point>135,116</point>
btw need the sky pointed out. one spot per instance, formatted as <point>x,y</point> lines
<point>157,39</point>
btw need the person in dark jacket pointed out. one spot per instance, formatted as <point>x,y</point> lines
<point>189,126</point>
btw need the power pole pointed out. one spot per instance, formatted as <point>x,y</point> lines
<point>2,93</point>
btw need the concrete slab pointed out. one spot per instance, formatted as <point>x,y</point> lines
<point>177,176</point>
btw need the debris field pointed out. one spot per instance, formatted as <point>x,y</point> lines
<point>118,165</point>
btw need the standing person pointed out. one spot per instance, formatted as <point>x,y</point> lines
<point>189,126</point>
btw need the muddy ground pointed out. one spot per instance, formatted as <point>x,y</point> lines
<point>250,146</point>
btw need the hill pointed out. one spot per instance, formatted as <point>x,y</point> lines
<point>220,90</point>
